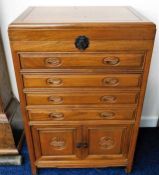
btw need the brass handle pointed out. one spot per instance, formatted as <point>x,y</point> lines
<point>56,100</point>
<point>108,99</point>
<point>56,115</point>
<point>52,62</point>
<point>54,81</point>
<point>111,60</point>
<point>108,115</point>
<point>110,81</point>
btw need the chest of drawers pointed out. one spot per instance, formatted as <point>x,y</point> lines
<point>81,74</point>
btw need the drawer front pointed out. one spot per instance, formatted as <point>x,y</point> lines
<point>107,32</point>
<point>92,60</point>
<point>60,114</point>
<point>98,80</point>
<point>81,98</point>
<point>94,46</point>
<point>107,140</point>
<point>57,142</point>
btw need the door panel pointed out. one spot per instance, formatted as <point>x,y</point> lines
<point>107,140</point>
<point>56,142</point>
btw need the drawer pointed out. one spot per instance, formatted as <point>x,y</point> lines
<point>75,114</point>
<point>79,98</point>
<point>94,46</point>
<point>76,80</point>
<point>71,33</point>
<point>82,60</point>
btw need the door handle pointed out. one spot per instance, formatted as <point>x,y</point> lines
<point>82,145</point>
<point>85,145</point>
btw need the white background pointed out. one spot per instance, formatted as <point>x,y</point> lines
<point>10,9</point>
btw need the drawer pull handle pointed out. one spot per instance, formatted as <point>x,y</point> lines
<point>111,60</point>
<point>110,81</point>
<point>52,62</point>
<point>55,100</point>
<point>107,115</point>
<point>54,81</point>
<point>82,43</point>
<point>108,99</point>
<point>56,116</point>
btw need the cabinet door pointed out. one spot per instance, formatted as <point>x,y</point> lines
<point>106,141</point>
<point>56,142</point>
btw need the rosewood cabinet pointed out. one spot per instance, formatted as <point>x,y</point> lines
<point>81,75</point>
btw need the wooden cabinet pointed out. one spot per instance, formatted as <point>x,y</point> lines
<point>81,78</point>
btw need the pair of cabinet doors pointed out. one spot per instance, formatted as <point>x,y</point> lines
<point>76,142</point>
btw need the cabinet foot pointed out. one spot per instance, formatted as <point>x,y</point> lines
<point>34,171</point>
<point>128,169</point>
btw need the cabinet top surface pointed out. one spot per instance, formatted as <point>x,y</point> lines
<point>76,15</point>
